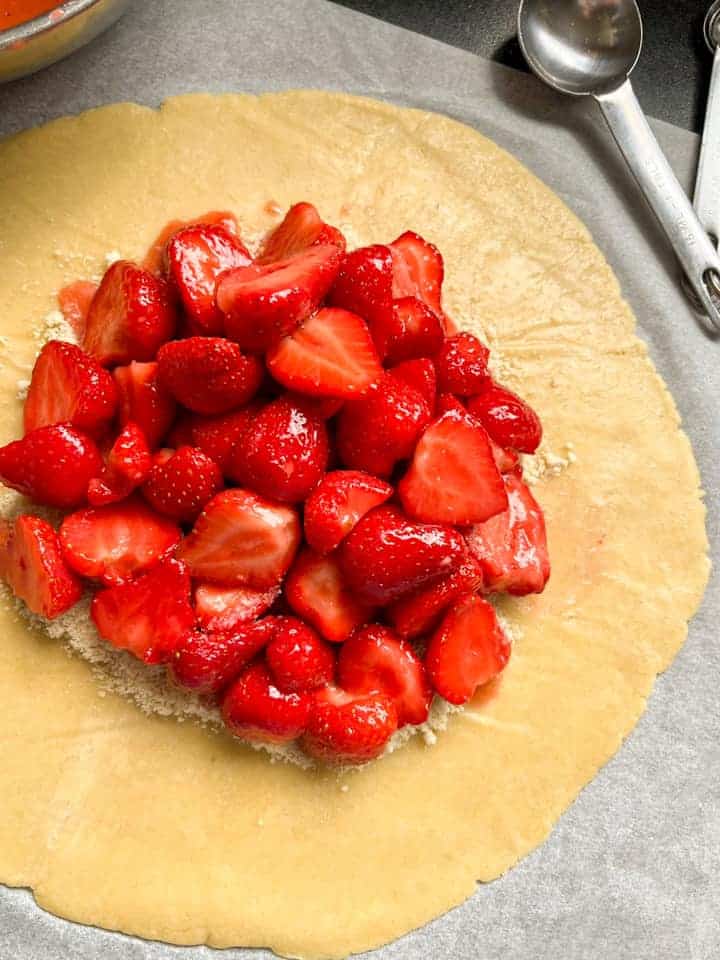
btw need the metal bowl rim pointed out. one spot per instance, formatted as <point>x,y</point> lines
<point>45,22</point>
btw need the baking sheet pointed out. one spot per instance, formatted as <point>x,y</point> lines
<point>632,869</point>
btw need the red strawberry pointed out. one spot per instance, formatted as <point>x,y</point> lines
<point>301,228</point>
<point>128,464</point>
<point>74,301</point>
<point>467,649</point>
<point>418,612</point>
<point>155,257</point>
<point>32,565</point>
<point>208,374</point>
<point>299,660</point>
<point>283,453</point>
<point>180,487</point>
<point>453,477</point>
<point>117,542</point>
<point>196,256</point>
<point>317,592</point>
<point>51,465</point>
<point>264,302</point>
<point>337,503</point>
<point>144,401</point>
<point>511,547</point>
<point>447,402</point>
<point>330,355</point>
<point>241,539</point>
<point>418,270</point>
<point>381,427</point>
<point>348,728</point>
<point>508,420</point>
<point>386,555</point>
<point>68,386</point>
<point>412,331</point>
<point>216,436</point>
<point>461,365</point>
<point>207,663</point>
<point>224,608</point>
<point>149,616</point>
<point>507,461</point>
<point>130,316</point>
<point>376,660</point>
<point>255,710</point>
<point>420,375</point>
<point>323,407</point>
<point>364,284</point>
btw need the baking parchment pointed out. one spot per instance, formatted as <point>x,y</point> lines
<point>633,868</point>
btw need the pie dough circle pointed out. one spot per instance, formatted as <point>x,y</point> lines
<point>174,833</point>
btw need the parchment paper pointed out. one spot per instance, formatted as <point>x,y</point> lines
<point>632,869</point>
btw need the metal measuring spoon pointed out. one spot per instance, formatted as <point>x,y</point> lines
<point>707,181</point>
<point>589,48</point>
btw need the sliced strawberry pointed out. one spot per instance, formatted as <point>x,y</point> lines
<point>337,503</point>
<point>74,301</point>
<point>511,547</point>
<point>130,316</point>
<point>508,420</point>
<point>507,461</point>
<point>413,330</point>
<point>255,709</point>
<point>264,302</point>
<point>418,270</point>
<point>144,401</point>
<point>467,649</point>
<point>364,284</point>
<point>386,555</point>
<point>207,663</point>
<point>348,728</point>
<point>418,612</point>
<point>330,355</point>
<point>302,228</point>
<point>224,608</point>
<point>420,375</point>
<point>128,463</point>
<point>117,542</point>
<point>316,590</point>
<point>32,565</point>
<point>453,477</point>
<point>181,486</point>
<point>461,365</point>
<point>51,465</point>
<point>447,402</point>
<point>208,374</point>
<point>69,386</point>
<point>216,436</point>
<point>241,539</point>
<point>299,660</point>
<point>155,257</point>
<point>376,660</point>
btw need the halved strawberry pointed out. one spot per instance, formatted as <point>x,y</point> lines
<point>412,331</point>
<point>453,477</point>
<point>302,228</point>
<point>337,503</point>
<point>420,375</point>
<point>255,709</point>
<point>299,660</point>
<point>130,316</point>
<point>128,463</point>
<point>418,612</point>
<point>181,486</point>
<point>467,649</point>
<point>216,436</point>
<point>241,539</point>
<point>154,260</point>
<point>74,301</point>
<point>144,401</point>
<point>348,727</point>
<point>417,270</point>
<point>364,284</point>
<point>32,565</point>
<point>331,354</point>
<point>508,419</point>
<point>461,365</point>
<point>221,608</point>
<point>207,663</point>
<point>208,374</point>
<point>264,302</point>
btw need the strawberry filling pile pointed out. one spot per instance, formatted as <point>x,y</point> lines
<point>287,478</point>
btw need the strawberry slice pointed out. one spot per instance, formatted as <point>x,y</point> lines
<point>32,565</point>
<point>207,663</point>
<point>453,477</point>
<point>511,547</point>
<point>117,542</point>
<point>264,302</point>
<point>412,331</point>
<point>467,649</point>
<point>348,727</point>
<point>316,590</point>
<point>69,386</point>
<point>130,316</point>
<point>337,503</point>
<point>181,486</point>
<point>216,436</point>
<point>154,260</point>
<point>330,355</point>
<point>208,374</point>
<point>74,301</point>
<point>461,365</point>
<point>299,660</point>
<point>376,660</point>
<point>254,709</point>
<point>420,375</point>
<point>364,285</point>
<point>51,465</point>
<point>417,270</point>
<point>144,401</point>
<point>196,256</point>
<point>418,612</point>
<point>302,227</point>
<point>128,464</point>
<point>241,539</point>
<point>150,616</point>
<point>510,421</point>
<point>224,608</point>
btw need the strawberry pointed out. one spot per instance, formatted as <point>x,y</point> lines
<point>511,547</point>
<point>216,436</point>
<point>376,660</point>
<point>507,461</point>
<point>51,465</point>
<point>181,486</point>
<point>386,555</point>
<point>337,503</point>
<point>283,453</point>
<point>117,542</point>
<point>196,256</point>
<point>301,228</point>
<point>32,565</point>
<point>224,608</point>
<point>467,649</point>
<point>155,258</point>
<point>461,365</point>
<point>264,302</point>
<point>255,709</point>
<point>508,420</point>
<point>69,386</point>
<point>299,660</point>
<point>208,374</point>
<point>241,539</point>
<point>331,354</point>
<point>413,330</point>
<point>149,616</point>
<point>316,590</point>
<point>364,285</point>
<point>447,402</point>
<point>323,407</point>
<point>130,316</point>
<point>207,663</point>
<point>418,612</point>
<point>420,375</point>
<point>417,270</point>
<point>128,463</point>
<point>144,401</point>
<point>381,427</point>
<point>348,727</point>
<point>74,301</point>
